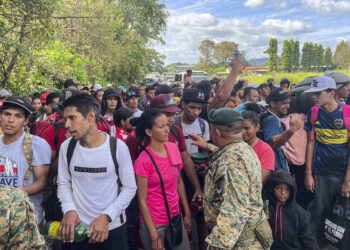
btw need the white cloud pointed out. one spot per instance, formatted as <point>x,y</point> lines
<point>346,39</point>
<point>328,6</point>
<point>185,31</point>
<point>254,3</point>
<point>286,26</point>
<point>280,4</point>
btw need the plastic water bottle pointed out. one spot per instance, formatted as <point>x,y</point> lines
<point>50,231</point>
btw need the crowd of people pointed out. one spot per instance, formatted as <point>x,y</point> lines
<point>217,164</point>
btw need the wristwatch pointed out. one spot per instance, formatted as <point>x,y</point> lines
<point>109,219</point>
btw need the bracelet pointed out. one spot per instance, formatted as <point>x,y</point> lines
<point>155,238</point>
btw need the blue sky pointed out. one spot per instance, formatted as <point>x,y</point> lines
<point>252,23</point>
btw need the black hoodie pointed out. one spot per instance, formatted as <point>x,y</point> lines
<point>289,222</point>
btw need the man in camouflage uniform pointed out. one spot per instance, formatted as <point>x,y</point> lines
<point>18,221</point>
<point>232,193</point>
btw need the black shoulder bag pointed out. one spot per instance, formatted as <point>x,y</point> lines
<point>175,222</point>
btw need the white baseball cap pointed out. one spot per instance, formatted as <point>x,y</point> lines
<point>321,83</point>
<point>98,86</point>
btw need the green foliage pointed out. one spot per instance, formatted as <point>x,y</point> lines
<point>90,41</point>
<point>224,52</point>
<point>328,57</point>
<point>272,52</point>
<point>50,67</point>
<point>294,78</point>
<point>206,50</point>
<point>295,55</point>
<point>287,56</point>
<point>306,57</point>
<point>342,55</point>
<point>23,25</point>
<point>216,56</point>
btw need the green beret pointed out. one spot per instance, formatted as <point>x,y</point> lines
<point>225,116</point>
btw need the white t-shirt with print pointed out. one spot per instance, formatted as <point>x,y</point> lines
<point>113,127</point>
<point>138,113</point>
<point>13,166</point>
<point>195,129</point>
<point>90,187</point>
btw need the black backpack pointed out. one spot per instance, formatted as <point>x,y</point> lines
<point>301,102</point>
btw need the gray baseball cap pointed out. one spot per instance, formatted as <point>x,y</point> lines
<point>321,83</point>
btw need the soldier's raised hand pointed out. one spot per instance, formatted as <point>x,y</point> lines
<point>198,141</point>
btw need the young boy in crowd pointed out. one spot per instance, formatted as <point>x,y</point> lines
<point>289,221</point>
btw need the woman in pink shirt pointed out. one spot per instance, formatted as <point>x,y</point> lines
<point>250,127</point>
<point>154,227</point>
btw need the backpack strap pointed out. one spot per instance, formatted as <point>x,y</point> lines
<point>57,130</point>
<point>346,117</point>
<point>104,124</point>
<point>70,151</point>
<point>313,118</point>
<point>173,130</point>
<point>177,121</point>
<point>113,145</point>
<point>28,154</point>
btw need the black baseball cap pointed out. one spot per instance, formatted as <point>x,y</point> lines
<point>277,94</point>
<point>65,94</point>
<point>263,85</point>
<point>193,95</point>
<point>110,92</point>
<point>19,102</point>
<point>131,93</point>
<point>134,88</point>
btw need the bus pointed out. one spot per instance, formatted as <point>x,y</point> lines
<point>197,76</point>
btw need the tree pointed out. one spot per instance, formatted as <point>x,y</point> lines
<point>306,60</point>
<point>105,41</point>
<point>328,58</point>
<point>206,50</point>
<point>24,24</point>
<point>341,56</point>
<point>320,57</point>
<point>146,17</point>
<point>287,56</point>
<point>295,55</point>
<point>224,52</point>
<point>272,52</point>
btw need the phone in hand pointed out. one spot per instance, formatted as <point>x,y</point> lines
<point>237,54</point>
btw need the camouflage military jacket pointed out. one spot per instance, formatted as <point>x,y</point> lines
<point>18,221</point>
<point>232,193</point>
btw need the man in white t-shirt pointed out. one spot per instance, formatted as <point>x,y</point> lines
<point>131,102</point>
<point>88,186</point>
<point>14,168</point>
<point>192,104</point>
